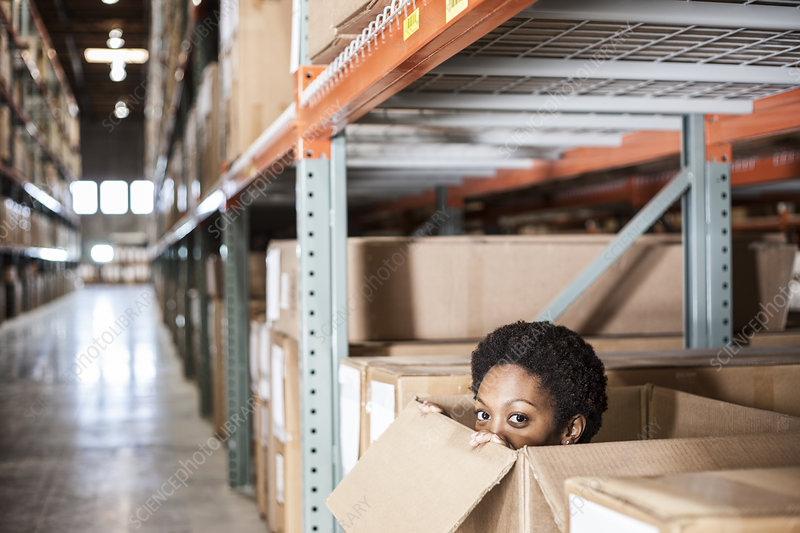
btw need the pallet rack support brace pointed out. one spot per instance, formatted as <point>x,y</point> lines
<point>704,188</point>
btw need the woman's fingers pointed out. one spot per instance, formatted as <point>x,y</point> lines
<point>483,436</point>
<point>428,407</point>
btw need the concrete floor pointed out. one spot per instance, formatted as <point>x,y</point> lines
<point>98,425</point>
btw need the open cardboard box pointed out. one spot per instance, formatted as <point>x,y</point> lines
<point>423,475</point>
<point>398,380</point>
<point>746,501</point>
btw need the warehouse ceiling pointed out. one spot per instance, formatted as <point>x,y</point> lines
<point>75,25</point>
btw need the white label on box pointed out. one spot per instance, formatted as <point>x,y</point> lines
<point>381,408</point>
<point>285,290</point>
<point>294,53</point>
<point>349,415</point>
<point>273,284</point>
<point>279,479</point>
<point>264,369</point>
<point>278,422</point>
<point>255,354</point>
<point>586,516</point>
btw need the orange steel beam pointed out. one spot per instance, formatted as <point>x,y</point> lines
<point>391,62</point>
<point>774,115</point>
<point>636,148</point>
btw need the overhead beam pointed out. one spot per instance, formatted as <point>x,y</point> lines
<point>717,14</point>
<point>525,120</point>
<point>547,103</point>
<point>618,70</point>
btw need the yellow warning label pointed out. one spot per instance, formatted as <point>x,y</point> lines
<point>453,8</point>
<point>411,24</point>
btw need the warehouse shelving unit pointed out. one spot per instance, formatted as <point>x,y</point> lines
<point>36,94</point>
<point>696,78</point>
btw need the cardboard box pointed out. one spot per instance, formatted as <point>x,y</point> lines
<point>261,454</point>
<point>423,475</point>
<point>750,500</point>
<point>285,511</point>
<point>332,25</point>
<point>257,275</point>
<point>355,397</point>
<point>209,125</point>
<point>762,377</point>
<point>259,353</point>
<point>215,277</point>
<point>217,343</point>
<point>762,269</point>
<point>259,33</point>
<point>403,288</point>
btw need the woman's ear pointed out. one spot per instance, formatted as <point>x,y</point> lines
<point>574,430</point>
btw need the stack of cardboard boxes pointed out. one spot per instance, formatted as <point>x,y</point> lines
<point>410,320</point>
<point>648,431</point>
<point>254,32</point>
<point>215,287</point>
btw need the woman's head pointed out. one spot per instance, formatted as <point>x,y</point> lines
<point>536,383</point>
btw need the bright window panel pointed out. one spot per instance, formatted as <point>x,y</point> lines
<point>84,197</point>
<point>141,197</point>
<point>114,197</point>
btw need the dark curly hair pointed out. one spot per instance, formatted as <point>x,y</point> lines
<point>565,364</point>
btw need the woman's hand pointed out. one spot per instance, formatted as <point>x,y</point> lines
<point>483,436</point>
<point>427,407</point>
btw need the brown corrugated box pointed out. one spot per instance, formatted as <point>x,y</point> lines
<point>261,454</point>
<point>257,275</point>
<point>255,97</point>
<point>215,278</point>
<point>332,25</point>
<point>464,287</point>
<point>745,501</point>
<point>285,510</point>
<point>355,391</point>
<point>761,377</point>
<point>423,475</point>
<point>217,351</point>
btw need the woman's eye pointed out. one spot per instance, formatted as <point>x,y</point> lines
<point>518,419</point>
<point>482,415</point>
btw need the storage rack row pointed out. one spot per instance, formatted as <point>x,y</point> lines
<point>39,158</point>
<point>697,78</point>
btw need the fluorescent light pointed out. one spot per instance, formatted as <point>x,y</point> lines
<point>109,55</point>
<point>121,110</point>
<point>102,253</point>
<point>114,197</point>
<point>141,197</point>
<point>84,197</point>
<point>118,71</point>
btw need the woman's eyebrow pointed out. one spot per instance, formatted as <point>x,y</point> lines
<point>509,402</point>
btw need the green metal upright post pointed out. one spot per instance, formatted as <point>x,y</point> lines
<point>236,239</point>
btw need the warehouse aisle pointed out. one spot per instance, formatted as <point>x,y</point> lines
<point>98,427</point>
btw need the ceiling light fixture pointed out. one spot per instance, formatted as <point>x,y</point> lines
<point>118,70</point>
<point>115,39</point>
<point>108,55</point>
<point>121,110</point>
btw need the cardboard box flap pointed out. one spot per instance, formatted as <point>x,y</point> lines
<point>425,462</point>
<point>751,492</point>
<point>553,465</point>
